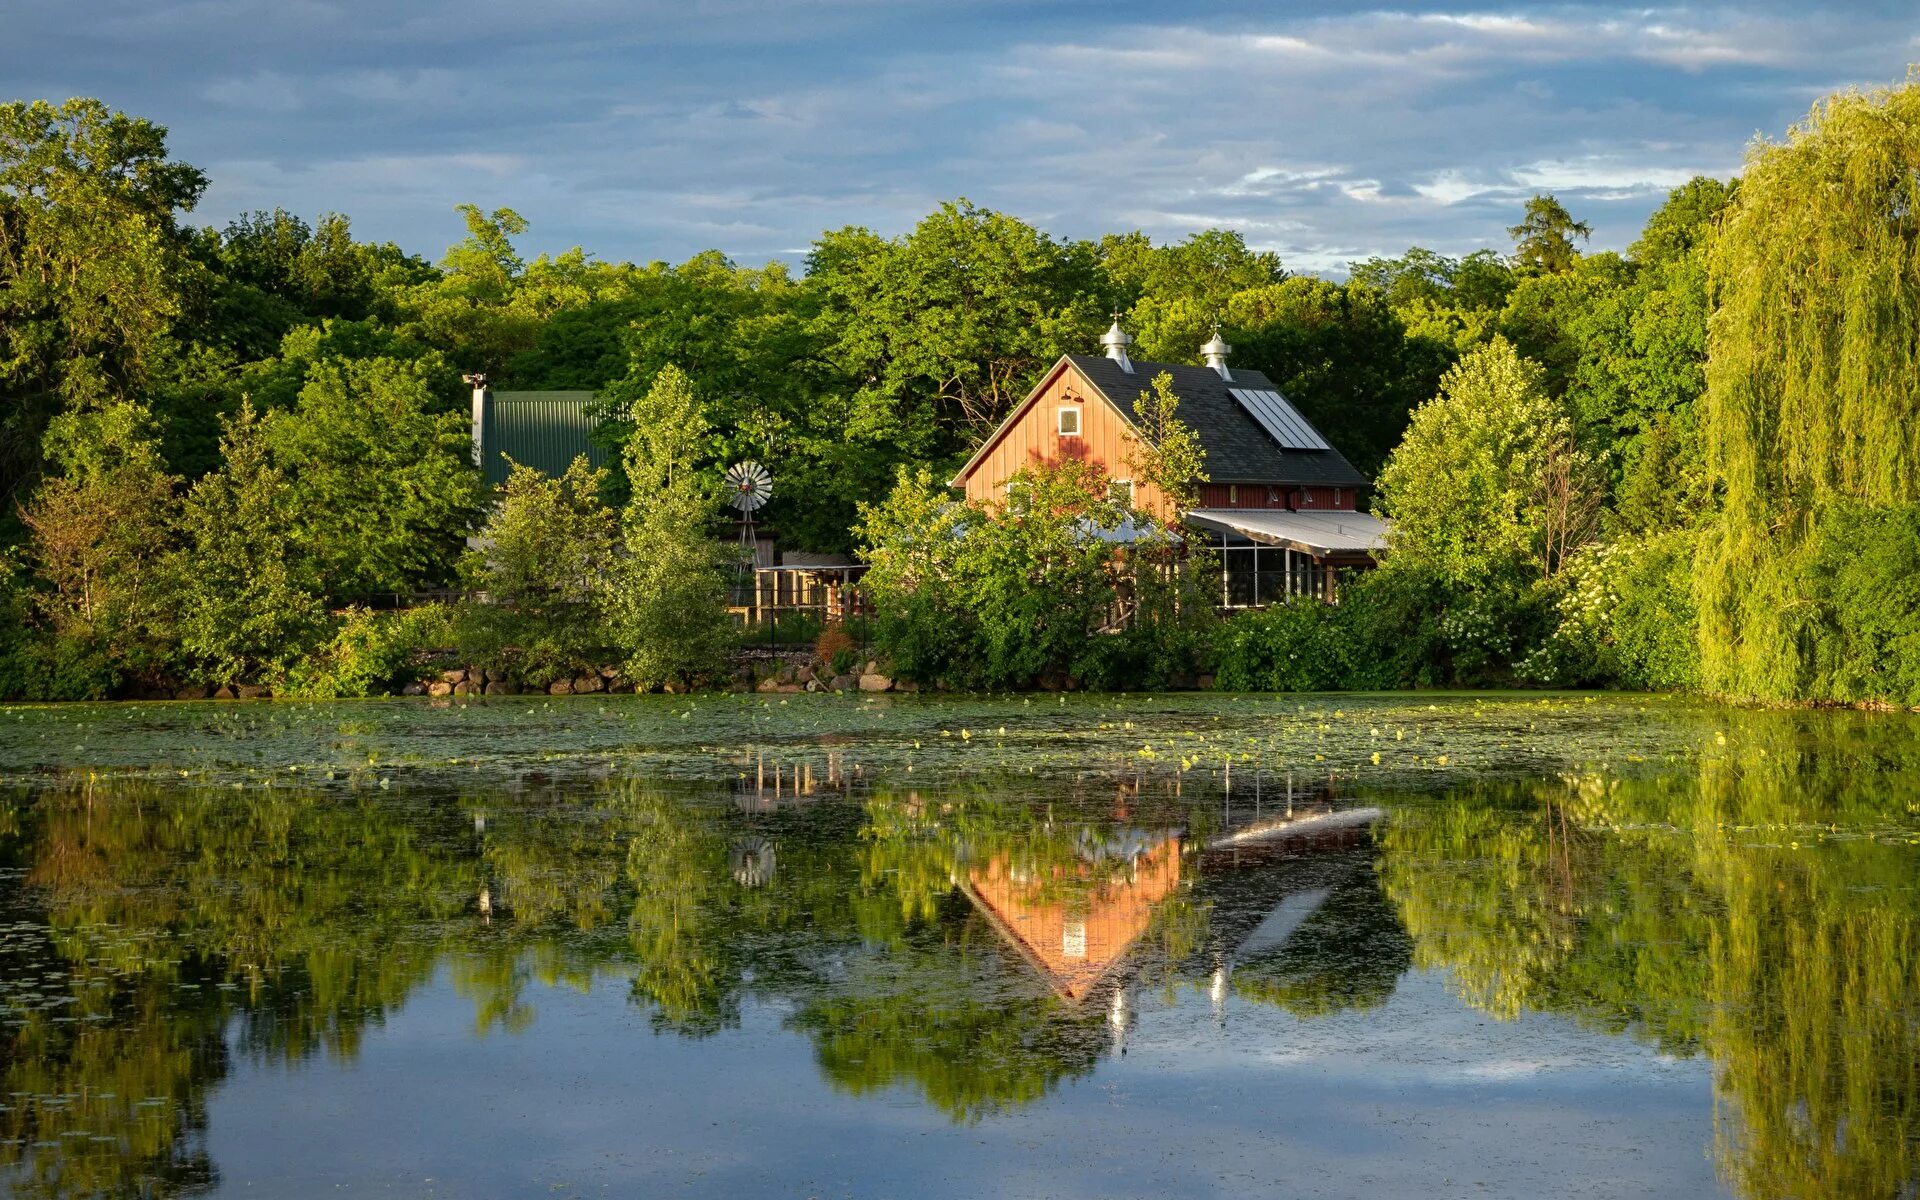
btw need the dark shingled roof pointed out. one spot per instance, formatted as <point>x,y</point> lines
<point>1238,449</point>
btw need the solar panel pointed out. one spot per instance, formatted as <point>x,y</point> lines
<point>1280,419</point>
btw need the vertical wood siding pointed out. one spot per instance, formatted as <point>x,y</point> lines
<point>1311,499</point>
<point>1035,439</point>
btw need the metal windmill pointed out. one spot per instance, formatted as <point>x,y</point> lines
<point>749,487</point>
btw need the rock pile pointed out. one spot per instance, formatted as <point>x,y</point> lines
<point>475,681</point>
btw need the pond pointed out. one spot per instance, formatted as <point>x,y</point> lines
<point>1494,945</point>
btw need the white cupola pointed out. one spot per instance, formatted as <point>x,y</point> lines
<point>1216,352</point>
<point>1115,341</point>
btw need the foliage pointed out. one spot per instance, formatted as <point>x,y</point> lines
<point>949,352</point>
<point>667,606</point>
<point>1743,368</point>
<point>1035,590</point>
<point>1866,585</point>
<point>92,271</point>
<point>370,654</point>
<point>545,569</point>
<point>246,608</point>
<point>1350,363</point>
<point>547,541</point>
<point>100,532</point>
<point>1812,380</point>
<point>1543,240</point>
<point>381,491</point>
<point>1390,630</point>
<point>1490,487</point>
<point>834,649</point>
<point>1624,613</point>
<point>1167,456</point>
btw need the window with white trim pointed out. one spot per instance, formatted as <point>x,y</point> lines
<point>1069,420</point>
<point>1019,495</point>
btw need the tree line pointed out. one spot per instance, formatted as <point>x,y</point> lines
<point>1688,464</point>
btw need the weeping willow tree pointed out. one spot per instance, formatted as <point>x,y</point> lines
<point>1813,379</point>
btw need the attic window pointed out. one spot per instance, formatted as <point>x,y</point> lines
<point>1069,421</point>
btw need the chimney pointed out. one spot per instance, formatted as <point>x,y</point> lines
<point>1216,352</point>
<point>1116,341</point>
<point>480,398</point>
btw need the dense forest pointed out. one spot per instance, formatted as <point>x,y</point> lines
<point>1692,464</point>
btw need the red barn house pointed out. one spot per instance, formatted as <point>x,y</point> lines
<point>1280,505</point>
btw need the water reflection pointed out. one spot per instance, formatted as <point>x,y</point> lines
<point>979,945</point>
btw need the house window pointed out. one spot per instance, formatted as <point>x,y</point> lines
<point>1120,491</point>
<point>1019,495</point>
<point>1069,421</point>
<point>1233,494</point>
<point>1339,498</point>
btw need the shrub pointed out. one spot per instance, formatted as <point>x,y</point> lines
<point>1388,631</point>
<point>1866,582</point>
<point>1002,596</point>
<point>835,650</point>
<point>1623,616</point>
<point>534,646</point>
<point>1287,647</point>
<point>370,653</point>
<point>42,666</point>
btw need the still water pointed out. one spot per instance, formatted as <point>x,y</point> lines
<point>1153,946</point>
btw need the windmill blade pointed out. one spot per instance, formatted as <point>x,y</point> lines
<point>748,486</point>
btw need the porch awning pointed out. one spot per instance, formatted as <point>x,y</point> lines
<point>1316,533</point>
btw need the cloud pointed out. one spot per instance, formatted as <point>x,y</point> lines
<point>656,130</point>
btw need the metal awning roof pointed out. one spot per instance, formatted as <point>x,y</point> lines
<point>1314,532</point>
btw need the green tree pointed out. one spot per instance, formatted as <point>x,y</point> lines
<point>1813,379</point>
<point>92,271</point>
<point>245,597</point>
<point>996,596</point>
<point>1344,357</point>
<point>668,607</point>
<point>547,560</point>
<point>1206,268</point>
<point>99,531</point>
<point>1543,240</point>
<point>1168,455</point>
<point>1489,483</point>
<point>1478,282</point>
<point>943,331</point>
<point>381,486</point>
<point>546,540</point>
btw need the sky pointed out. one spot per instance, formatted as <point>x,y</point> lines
<point>1326,132</point>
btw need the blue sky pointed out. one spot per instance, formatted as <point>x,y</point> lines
<point>1324,131</point>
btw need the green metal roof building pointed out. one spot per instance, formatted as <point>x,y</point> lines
<point>542,430</point>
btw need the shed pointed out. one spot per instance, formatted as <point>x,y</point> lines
<point>542,430</point>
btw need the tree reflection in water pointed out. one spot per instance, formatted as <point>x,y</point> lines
<point>1759,910</point>
<point>981,946</point>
